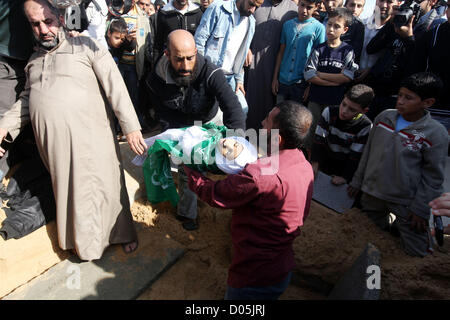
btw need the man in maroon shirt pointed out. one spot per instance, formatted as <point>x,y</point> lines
<point>268,206</point>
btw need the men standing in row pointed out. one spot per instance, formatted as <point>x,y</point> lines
<point>183,88</point>
<point>224,36</point>
<point>269,18</point>
<point>68,82</point>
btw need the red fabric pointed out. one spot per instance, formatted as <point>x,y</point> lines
<point>268,210</point>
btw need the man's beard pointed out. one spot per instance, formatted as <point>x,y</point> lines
<point>183,81</point>
<point>48,44</point>
<point>384,16</point>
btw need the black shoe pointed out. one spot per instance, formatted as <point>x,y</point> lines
<point>181,218</point>
<point>393,230</point>
<point>190,225</point>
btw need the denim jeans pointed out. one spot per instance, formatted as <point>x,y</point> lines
<point>272,292</point>
<point>232,82</point>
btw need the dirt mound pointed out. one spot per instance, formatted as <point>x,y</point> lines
<point>327,247</point>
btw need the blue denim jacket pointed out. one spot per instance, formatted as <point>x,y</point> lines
<point>214,32</point>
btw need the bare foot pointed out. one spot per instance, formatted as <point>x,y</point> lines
<point>130,246</point>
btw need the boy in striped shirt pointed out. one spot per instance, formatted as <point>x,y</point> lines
<point>403,164</point>
<point>341,134</point>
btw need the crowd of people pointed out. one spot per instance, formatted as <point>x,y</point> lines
<point>364,101</point>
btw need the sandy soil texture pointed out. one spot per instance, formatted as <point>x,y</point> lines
<point>327,247</point>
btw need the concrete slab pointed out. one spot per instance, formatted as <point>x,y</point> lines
<point>116,276</point>
<point>357,284</point>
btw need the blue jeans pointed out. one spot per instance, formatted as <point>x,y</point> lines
<point>259,293</point>
<point>232,82</point>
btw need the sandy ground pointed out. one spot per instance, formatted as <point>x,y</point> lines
<point>327,247</point>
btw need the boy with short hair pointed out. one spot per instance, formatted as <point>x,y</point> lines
<point>403,163</point>
<point>330,66</point>
<point>298,37</point>
<point>341,135</point>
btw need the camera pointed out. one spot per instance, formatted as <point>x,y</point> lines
<point>408,9</point>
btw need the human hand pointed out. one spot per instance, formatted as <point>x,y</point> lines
<point>337,180</point>
<point>315,167</point>
<point>240,87</point>
<point>131,36</point>
<point>418,224</point>
<point>405,31</point>
<point>275,86</point>
<point>73,33</point>
<point>362,75</point>
<point>441,206</point>
<point>136,142</point>
<point>352,191</point>
<point>306,93</point>
<point>248,58</point>
<point>3,133</point>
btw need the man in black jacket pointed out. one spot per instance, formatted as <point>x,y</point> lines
<point>397,45</point>
<point>176,14</point>
<point>183,88</point>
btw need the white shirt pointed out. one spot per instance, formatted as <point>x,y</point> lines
<point>235,42</point>
<point>97,22</point>
<point>370,30</point>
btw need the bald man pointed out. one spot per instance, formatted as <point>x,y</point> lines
<point>183,88</point>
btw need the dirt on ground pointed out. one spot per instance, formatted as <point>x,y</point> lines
<point>328,246</point>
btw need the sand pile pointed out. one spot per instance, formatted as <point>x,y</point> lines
<point>328,246</point>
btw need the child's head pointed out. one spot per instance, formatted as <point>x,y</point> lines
<point>117,32</point>
<point>417,92</point>
<point>338,22</point>
<point>232,154</point>
<point>306,9</point>
<point>230,148</point>
<point>356,101</point>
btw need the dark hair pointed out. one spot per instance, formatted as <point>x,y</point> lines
<point>360,94</point>
<point>294,121</point>
<point>343,13</point>
<point>118,25</point>
<point>54,10</point>
<point>159,3</point>
<point>312,1</point>
<point>424,84</point>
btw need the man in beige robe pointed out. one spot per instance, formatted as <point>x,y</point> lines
<point>73,87</point>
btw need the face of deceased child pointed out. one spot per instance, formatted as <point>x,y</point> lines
<point>230,148</point>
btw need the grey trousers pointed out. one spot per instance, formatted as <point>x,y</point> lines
<point>187,205</point>
<point>414,243</point>
<point>12,82</point>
